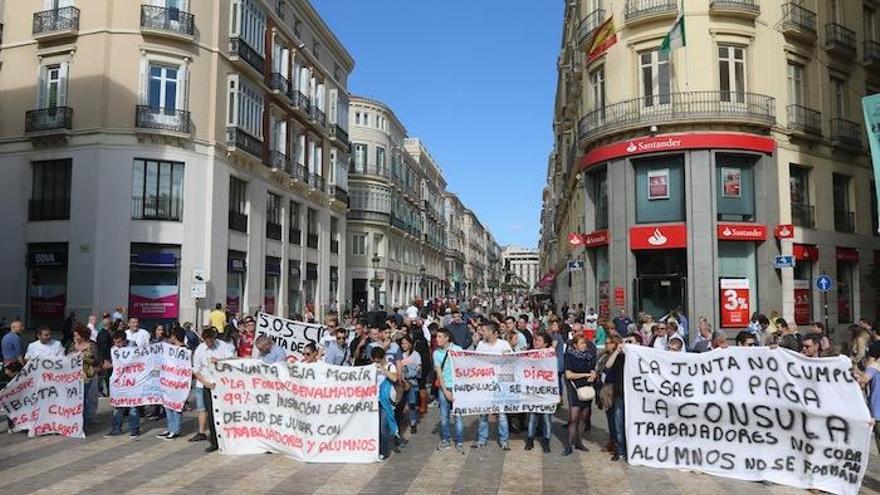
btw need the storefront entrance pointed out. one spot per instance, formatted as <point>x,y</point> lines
<point>661,281</point>
<point>47,285</point>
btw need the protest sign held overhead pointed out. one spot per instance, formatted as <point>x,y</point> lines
<point>46,397</point>
<point>748,413</point>
<point>291,335</point>
<point>158,374</point>
<point>518,382</point>
<point>310,412</point>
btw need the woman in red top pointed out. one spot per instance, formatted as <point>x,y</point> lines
<point>246,338</point>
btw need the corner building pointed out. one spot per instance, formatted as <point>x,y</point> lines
<point>699,167</point>
<point>147,146</point>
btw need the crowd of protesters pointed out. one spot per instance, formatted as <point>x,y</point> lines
<point>410,348</point>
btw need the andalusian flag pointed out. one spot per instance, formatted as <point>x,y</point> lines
<point>604,38</point>
<point>675,37</point>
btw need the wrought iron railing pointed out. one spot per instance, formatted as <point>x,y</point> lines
<point>844,221</point>
<point>62,19</point>
<point>238,138</point>
<point>846,132</point>
<point>238,221</point>
<point>148,117</point>
<point>341,135</point>
<point>239,48</point>
<point>319,116</point>
<point>48,119</point>
<point>641,8</point>
<point>316,181</point>
<point>804,119</point>
<point>368,169</point>
<point>802,215</point>
<point>300,100</point>
<point>299,172</point>
<point>798,17</point>
<point>278,82</point>
<point>589,24</point>
<point>696,105</point>
<point>165,19</point>
<point>279,160</point>
<point>744,5</point>
<point>872,52</point>
<point>340,194</point>
<point>840,38</point>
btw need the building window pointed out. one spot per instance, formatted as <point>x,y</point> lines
<point>53,86</point>
<point>799,187</point>
<point>295,234</point>
<point>870,17</point>
<point>839,99</point>
<point>380,159</point>
<point>600,199</point>
<point>845,292</point>
<point>238,218</point>
<point>359,244</point>
<point>797,90</point>
<point>735,191</point>
<point>334,235</point>
<point>360,157</point>
<point>50,191</point>
<point>660,189</point>
<point>163,83</point>
<point>248,22</point>
<point>844,218</point>
<point>245,109</point>
<point>655,80</point>
<point>157,190</point>
<point>732,73</point>
<point>597,86</point>
<point>312,228</point>
<point>273,216</point>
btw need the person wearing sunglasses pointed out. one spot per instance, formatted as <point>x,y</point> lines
<point>310,354</point>
<point>337,351</point>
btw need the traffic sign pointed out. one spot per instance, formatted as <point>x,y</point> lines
<point>575,265</point>
<point>199,291</point>
<point>783,262</point>
<point>824,283</point>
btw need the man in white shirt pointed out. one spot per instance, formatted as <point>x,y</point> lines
<point>93,328</point>
<point>137,336</point>
<point>491,344</point>
<point>207,353</point>
<point>45,346</point>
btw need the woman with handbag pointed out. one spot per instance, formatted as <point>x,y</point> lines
<point>580,363</point>
<point>412,372</point>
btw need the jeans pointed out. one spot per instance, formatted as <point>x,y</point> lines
<point>90,400</point>
<point>134,420</point>
<point>384,434</point>
<point>612,429</point>
<point>620,426</point>
<point>412,401</point>
<point>172,421</point>
<point>483,429</point>
<point>445,409</point>
<point>533,424</point>
<point>209,408</point>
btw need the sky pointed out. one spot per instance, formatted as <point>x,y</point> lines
<point>476,81</point>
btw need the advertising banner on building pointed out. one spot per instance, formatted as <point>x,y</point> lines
<point>291,335</point>
<point>46,397</point>
<point>752,413</point>
<point>803,312</point>
<point>48,301</point>
<point>310,412</point>
<point>158,374</point>
<point>604,299</point>
<point>518,382</point>
<point>871,109</point>
<point>153,302</point>
<point>735,308</point>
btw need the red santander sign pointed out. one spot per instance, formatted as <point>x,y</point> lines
<point>575,239</point>
<point>669,236</point>
<point>596,238</point>
<point>741,232</point>
<point>784,231</point>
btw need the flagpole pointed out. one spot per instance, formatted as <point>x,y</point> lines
<point>687,77</point>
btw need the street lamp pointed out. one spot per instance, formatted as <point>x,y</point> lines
<point>376,282</point>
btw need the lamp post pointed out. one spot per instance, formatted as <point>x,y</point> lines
<point>376,282</point>
<point>422,282</point>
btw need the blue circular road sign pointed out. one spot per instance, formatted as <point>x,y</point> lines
<point>824,283</point>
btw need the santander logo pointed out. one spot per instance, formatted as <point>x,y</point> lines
<point>784,232</point>
<point>657,238</point>
<point>727,232</point>
<point>632,148</point>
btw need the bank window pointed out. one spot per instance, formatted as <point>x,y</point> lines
<point>732,73</point>
<point>655,78</point>
<point>237,205</point>
<point>358,244</point>
<point>157,190</point>
<point>295,234</point>
<point>735,197</point>
<point>844,292</point>
<point>660,189</point>
<point>50,191</point>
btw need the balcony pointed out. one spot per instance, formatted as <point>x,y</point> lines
<point>45,121</point>
<point>588,25</point>
<point>300,101</point>
<point>299,172</point>
<point>318,116</point>
<point>844,221</point>
<point>846,133</point>
<point>55,24</point>
<point>279,161</point>
<point>803,120</point>
<point>239,139</point>
<point>341,195</point>
<point>340,136</point>
<point>312,241</point>
<point>240,50</point>
<point>644,10</point>
<point>163,21</point>
<point>273,231</point>
<point>721,106</point>
<point>803,215</point>
<point>840,41</point>
<point>162,119</point>
<point>294,236</point>
<point>238,221</point>
<point>368,169</point>
<point>872,54</point>
<point>316,182</point>
<point>279,84</point>
<point>742,8</point>
<point>798,22</point>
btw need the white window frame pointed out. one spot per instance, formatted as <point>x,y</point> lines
<point>358,244</point>
<point>248,22</point>
<point>839,98</point>
<point>727,55</point>
<point>653,97</point>
<point>247,103</point>
<point>55,72</point>
<point>796,82</point>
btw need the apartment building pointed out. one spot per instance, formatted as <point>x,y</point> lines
<point>523,266</point>
<point>455,246</point>
<point>152,148</point>
<point>682,181</point>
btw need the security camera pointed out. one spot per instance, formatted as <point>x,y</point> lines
<point>653,130</point>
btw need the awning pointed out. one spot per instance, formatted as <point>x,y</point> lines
<point>805,252</point>
<point>847,255</point>
<point>546,280</point>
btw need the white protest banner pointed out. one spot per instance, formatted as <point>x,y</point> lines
<point>518,382</point>
<point>46,397</point>
<point>310,412</point>
<point>156,374</point>
<point>291,335</point>
<point>748,413</point>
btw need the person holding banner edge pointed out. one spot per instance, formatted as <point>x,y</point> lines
<point>207,353</point>
<point>540,341</point>
<point>173,418</point>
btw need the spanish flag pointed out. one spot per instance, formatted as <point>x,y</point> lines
<point>604,38</point>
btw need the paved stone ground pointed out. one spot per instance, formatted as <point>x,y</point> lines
<point>95,465</point>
